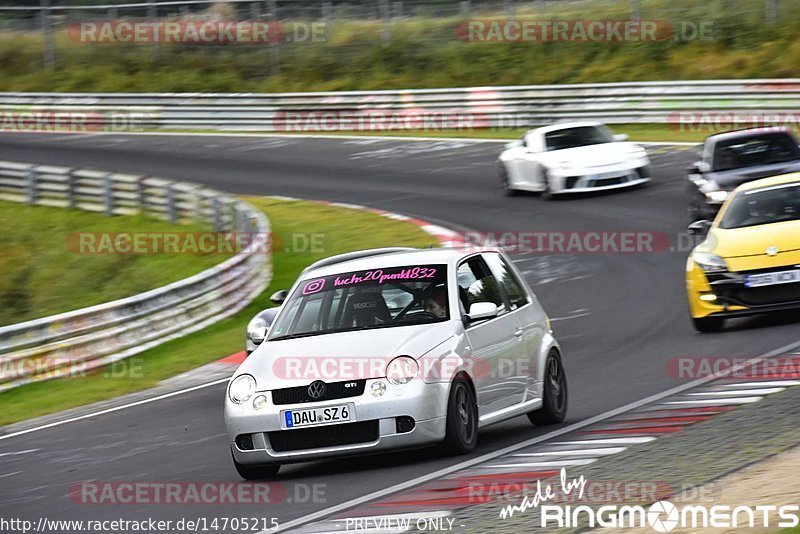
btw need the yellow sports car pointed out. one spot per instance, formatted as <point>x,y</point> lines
<point>750,260</point>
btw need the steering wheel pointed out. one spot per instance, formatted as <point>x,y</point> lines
<point>405,317</point>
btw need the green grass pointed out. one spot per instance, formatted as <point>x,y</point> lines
<point>43,275</point>
<point>425,51</point>
<point>339,230</point>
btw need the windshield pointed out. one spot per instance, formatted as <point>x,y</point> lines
<point>763,206</point>
<point>575,137</point>
<point>761,149</point>
<point>360,300</point>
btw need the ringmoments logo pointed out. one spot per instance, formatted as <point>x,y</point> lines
<point>661,516</point>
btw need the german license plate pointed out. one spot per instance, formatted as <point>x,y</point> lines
<point>316,416</point>
<point>771,279</point>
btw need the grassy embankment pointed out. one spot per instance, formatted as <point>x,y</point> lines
<point>43,272</point>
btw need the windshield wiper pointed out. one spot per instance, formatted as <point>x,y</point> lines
<point>301,334</point>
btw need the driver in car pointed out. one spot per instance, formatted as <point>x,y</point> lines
<point>436,302</point>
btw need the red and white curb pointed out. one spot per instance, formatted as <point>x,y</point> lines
<point>506,474</point>
<point>447,238</point>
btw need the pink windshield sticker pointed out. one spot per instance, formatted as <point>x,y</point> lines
<point>314,286</point>
<point>380,276</point>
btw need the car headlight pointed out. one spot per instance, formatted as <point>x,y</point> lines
<point>242,388</point>
<point>717,197</point>
<point>402,370</point>
<point>710,263</point>
<point>257,330</point>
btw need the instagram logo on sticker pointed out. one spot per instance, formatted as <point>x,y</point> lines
<point>314,286</point>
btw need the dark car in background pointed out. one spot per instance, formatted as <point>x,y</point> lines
<point>732,158</point>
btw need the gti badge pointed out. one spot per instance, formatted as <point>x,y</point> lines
<point>772,251</point>
<point>317,389</point>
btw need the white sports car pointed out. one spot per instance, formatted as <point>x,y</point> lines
<point>393,348</point>
<point>574,157</point>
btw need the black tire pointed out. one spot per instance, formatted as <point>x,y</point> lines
<point>256,472</point>
<point>555,401</point>
<point>502,174</point>
<point>708,324</point>
<point>547,194</point>
<point>462,419</point>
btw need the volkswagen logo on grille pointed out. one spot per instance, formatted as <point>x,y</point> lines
<point>316,390</point>
<point>772,251</point>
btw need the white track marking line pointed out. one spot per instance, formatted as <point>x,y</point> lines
<point>348,206</point>
<point>15,453</point>
<point>718,402</point>
<point>608,441</point>
<point>11,474</point>
<point>115,408</point>
<point>775,383</point>
<point>564,463</point>
<point>575,452</point>
<point>575,315</point>
<point>729,392</point>
<point>441,473</point>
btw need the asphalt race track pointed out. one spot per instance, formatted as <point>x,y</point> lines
<point>620,317</point>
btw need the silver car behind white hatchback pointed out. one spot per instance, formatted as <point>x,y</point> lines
<point>394,348</point>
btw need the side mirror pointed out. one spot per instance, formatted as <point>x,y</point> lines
<point>279,296</point>
<point>699,227</point>
<point>258,327</point>
<point>620,137</point>
<point>482,310</point>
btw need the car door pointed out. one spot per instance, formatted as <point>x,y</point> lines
<point>530,318</point>
<point>493,342</point>
<point>523,164</point>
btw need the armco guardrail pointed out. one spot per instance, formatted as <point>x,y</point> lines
<point>474,107</point>
<point>77,341</point>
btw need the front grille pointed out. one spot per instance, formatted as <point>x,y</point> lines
<point>760,296</point>
<point>333,391</point>
<point>730,286</point>
<point>324,436</point>
<point>611,180</point>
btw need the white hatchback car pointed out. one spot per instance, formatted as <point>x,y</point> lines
<point>571,157</point>
<point>394,348</point>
